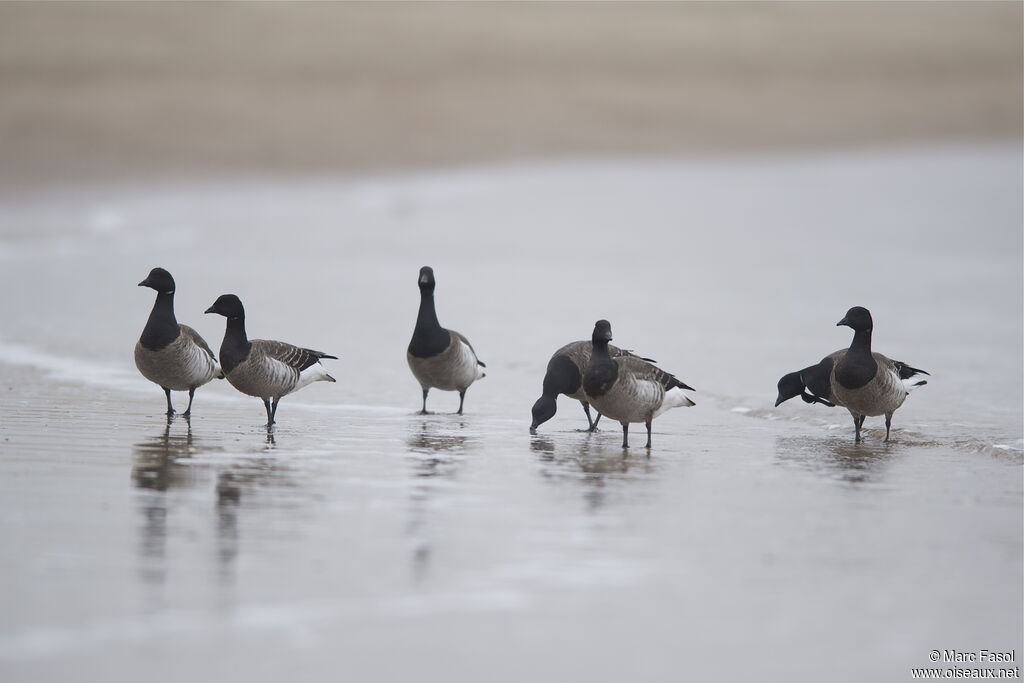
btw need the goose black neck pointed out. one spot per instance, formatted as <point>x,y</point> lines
<point>858,367</point>
<point>428,338</point>
<point>236,345</point>
<point>562,377</point>
<point>602,371</point>
<point>817,378</point>
<point>861,344</point>
<point>601,349</point>
<point>162,327</point>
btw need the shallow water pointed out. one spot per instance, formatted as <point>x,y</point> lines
<point>366,542</point>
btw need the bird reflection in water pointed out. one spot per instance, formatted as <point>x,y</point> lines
<point>155,470</point>
<point>601,467</point>
<point>838,458</point>
<point>436,451</point>
<point>162,466</point>
<point>229,495</point>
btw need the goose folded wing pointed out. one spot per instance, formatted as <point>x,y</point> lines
<point>292,356</point>
<point>622,353</point>
<point>465,341</point>
<point>196,339</point>
<point>641,369</point>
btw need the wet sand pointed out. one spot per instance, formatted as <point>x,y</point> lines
<point>369,542</point>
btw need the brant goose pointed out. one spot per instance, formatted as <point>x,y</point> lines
<point>565,376</point>
<point>629,389</point>
<point>868,383</point>
<point>171,355</point>
<point>263,368</point>
<point>440,358</point>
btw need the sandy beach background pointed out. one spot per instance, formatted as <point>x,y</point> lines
<point>721,181</point>
<point>129,90</point>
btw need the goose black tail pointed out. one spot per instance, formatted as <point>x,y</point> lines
<point>906,372</point>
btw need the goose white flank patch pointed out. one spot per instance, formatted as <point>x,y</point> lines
<point>868,383</point>
<point>169,354</point>
<point>263,368</point>
<point>629,389</point>
<point>564,375</point>
<point>440,358</point>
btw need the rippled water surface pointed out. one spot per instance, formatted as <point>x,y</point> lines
<point>364,542</point>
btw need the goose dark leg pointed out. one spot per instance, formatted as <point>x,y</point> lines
<point>170,408</point>
<point>188,411</point>
<point>462,397</point>
<point>592,423</point>
<point>888,422</point>
<point>857,421</point>
<point>648,434</point>
<point>273,409</point>
<point>270,415</point>
<point>424,411</point>
<point>625,435</point>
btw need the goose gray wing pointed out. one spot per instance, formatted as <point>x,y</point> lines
<point>194,337</point>
<point>465,341</point>
<point>616,352</point>
<point>641,369</point>
<point>903,370</point>
<point>289,354</point>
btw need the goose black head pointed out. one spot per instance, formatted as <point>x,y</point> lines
<point>227,305</point>
<point>602,332</point>
<point>790,386</point>
<point>858,318</point>
<point>543,410</point>
<point>160,280</point>
<point>426,280</point>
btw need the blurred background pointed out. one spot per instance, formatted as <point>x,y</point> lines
<point>130,90</point>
